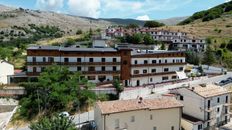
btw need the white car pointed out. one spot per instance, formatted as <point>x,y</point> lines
<point>65,114</point>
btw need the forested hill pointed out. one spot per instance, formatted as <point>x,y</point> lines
<point>210,14</point>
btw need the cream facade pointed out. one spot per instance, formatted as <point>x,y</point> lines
<point>144,118</point>
<point>210,104</point>
<point>6,69</point>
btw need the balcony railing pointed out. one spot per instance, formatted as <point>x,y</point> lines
<point>74,63</point>
<point>83,72</point>
<point>152,74</point>
<point>157,64</point>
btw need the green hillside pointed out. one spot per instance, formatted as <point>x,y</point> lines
<point>211,14</point>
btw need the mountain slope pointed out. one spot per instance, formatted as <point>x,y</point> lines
<point>210,14</point>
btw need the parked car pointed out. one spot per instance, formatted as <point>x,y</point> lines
<point>65,114</point>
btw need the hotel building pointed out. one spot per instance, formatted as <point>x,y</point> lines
<point>101,65</point>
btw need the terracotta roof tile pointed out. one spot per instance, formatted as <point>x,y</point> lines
<point>110,107</point>
<point>210,90</point>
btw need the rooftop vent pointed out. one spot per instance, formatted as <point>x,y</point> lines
<point>140,100</point>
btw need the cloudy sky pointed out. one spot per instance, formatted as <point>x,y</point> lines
<point>137,9</point>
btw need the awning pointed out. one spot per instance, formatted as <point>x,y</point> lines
<point>181,75</point>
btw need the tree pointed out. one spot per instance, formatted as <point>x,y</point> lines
<point>192,58</point>
<point>209,57</point>
<point>133,25</point>
<point>55,90</point>
<point>79,31</point>
<point>153,24</point>
<point>118,86</point>
<point>162,47</point>
<point>137,38</point>
<point>54,123</point>
<point>148,39</point>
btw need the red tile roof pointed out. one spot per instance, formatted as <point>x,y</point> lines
<point>110,107</point>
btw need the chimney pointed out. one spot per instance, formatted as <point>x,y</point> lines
<point>140,100</point>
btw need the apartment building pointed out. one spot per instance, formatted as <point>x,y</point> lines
<point>205,106</point>
<point>185,43</point>
<point>99,65</point>
<point>138,114</point>
<point>177,40</point>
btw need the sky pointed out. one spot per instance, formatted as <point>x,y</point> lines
<point>135,9</point>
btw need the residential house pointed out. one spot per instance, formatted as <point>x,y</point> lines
<point>208,105</point>
<point>6,69</point>
<point>138,114</point>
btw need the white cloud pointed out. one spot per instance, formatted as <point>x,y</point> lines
<point>227,0</point>
<point>89,8</point>
<point>128,8</point>
<point>52,5</point>
<point>144,18</point>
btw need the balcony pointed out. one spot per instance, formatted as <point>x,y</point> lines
<point>101,72</point>
<point>157,64</point>
<point>152,74</point>
<point>74,63</point>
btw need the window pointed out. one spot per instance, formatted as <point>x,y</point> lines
<point>91,77</point>
<point>181,60</point>
<point>44,59</point>
<point>174,77</point>
<point>226,110</point>
<point>101,78</point>
<point>151,117</point>
<point>200,127</point>
<point>136,71</point>
<point>114,68</point>
<point>159,61</point>
<point>144,71</point>
<point>208,103</point>
<point>154,61</point>
<point>78,68</point>
<point>132,118</point>
<point>181,98</point>
<point>218,110</point>
<point>34,59</point>
<point>166,69</point>
<point>166,61</point>
<point>114,59</point>
<point>103,68</point>
<point>226,99</point>
<point>78,59</point>
<point>66,59</point>
<point>172,128</point>
<point>50,59</point>
<point>218,100</point>
<point>136,62</point>
<point>164,78</point>
<point>181,68</point>
<point>154,128</point>
<point>91,68</point>
<point>116,123</point>
<point>90,59</point>
<point>173,61</point>
<point>34,69</point>
<point>151,79</point>
<point>103,60</point>
<point>153,70</point>
<point>145,62</point>
<point>42,69</point>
